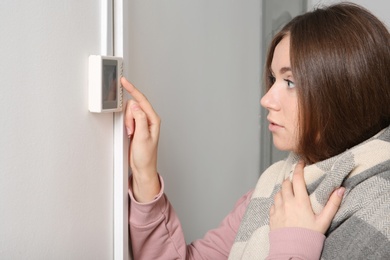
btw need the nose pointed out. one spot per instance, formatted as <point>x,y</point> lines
<point>268,101</point>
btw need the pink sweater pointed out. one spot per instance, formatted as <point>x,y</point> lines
<point>156,233</point>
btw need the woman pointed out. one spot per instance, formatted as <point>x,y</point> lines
<point>328,88</point>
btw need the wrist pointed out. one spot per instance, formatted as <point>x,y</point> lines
<point>145,187</point>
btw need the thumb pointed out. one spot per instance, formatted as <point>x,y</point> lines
<point>141,121</point>
<point>331,208</point>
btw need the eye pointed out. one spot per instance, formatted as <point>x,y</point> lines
<point>290,84</point>
<point>271,79</point>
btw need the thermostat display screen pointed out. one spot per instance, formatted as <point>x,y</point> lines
<point>104,88</point>
<point>109,84</point>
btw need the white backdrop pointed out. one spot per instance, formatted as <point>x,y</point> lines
<point>56,158</point>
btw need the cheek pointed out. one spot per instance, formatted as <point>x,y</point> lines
<point>293,118</point>
<point>291,111</point>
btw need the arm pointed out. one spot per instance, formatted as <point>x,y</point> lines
<point>296,232</point>
<point>143,128</point>
<point>156,231</point>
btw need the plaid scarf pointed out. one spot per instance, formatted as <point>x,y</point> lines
<point>361,227</point>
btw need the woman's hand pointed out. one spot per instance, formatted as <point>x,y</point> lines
<point>292,207</point>
<point>143,127</point>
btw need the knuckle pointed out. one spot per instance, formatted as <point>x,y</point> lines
<point>335,204</point>
<point>141,115</point>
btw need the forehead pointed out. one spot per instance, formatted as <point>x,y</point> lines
<point>281,57</point>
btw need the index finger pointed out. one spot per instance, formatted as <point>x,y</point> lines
<point>134,92</point>
<point>299,185</point>
<point>139,97</point>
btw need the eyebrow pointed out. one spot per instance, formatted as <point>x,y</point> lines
<point>282,70</point>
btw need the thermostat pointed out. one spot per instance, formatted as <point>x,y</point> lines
<point>105,89</point>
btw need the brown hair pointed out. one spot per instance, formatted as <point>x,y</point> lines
<point>340,60</point>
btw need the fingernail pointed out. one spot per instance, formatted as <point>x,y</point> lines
<point>340,191</point>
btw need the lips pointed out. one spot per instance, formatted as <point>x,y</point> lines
<point>273,126</point>
<point>272,121</point>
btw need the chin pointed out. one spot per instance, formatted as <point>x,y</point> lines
<point>283,147</point>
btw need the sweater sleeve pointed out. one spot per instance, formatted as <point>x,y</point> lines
<point>156,232</point>
<point>295,243</point>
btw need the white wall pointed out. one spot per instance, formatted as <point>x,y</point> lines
<point>56,194</point>
<point>198,62</point>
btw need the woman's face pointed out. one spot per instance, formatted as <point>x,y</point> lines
<point>281,100</point>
